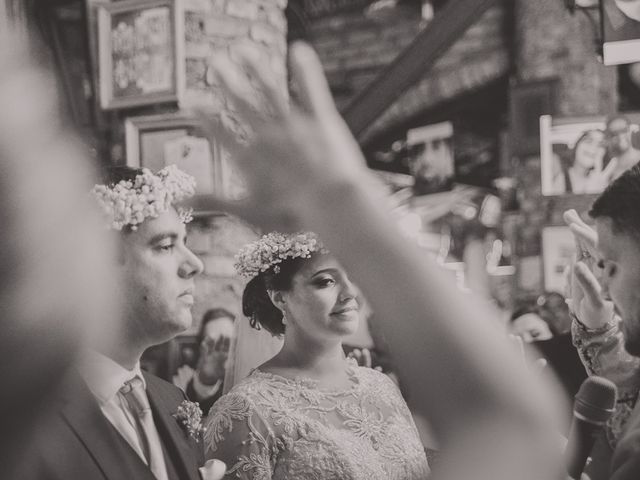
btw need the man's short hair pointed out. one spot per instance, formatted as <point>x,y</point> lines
<point>211,315</point>
<point>621,202</point>
<point>616,117</point>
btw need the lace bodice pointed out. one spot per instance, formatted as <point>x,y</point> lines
<point>271,427</point>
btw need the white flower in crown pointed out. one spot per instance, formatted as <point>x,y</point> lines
<point>147,196</point>
<point>272,249</point>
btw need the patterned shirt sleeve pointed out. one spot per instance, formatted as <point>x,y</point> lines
<point>602,352</point>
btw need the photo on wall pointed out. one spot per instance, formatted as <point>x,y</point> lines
<point>620,22</point>
<point>582,155</point>
<point>155,141</point>
<point>431,161</point>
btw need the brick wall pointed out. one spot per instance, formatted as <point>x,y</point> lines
<point>355,49</point>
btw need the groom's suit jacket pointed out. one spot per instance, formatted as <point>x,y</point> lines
<point>78,442</point>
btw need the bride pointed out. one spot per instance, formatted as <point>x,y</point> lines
<point>309,412</point>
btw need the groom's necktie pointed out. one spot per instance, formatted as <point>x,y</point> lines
<point>136,396</point>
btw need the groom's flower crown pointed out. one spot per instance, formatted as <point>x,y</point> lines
<point>272,249</point>
<point>131,202</point>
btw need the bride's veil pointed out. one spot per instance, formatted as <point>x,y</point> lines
<point>250,349</point>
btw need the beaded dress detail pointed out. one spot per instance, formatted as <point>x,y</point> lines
<point>272,427</point>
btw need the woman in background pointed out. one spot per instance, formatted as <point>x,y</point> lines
<point>584,173</point>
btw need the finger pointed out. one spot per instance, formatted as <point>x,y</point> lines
<point>215,130</point>
<point>366,357</point>
<point>571,216</point>
<point>589,285</point>
<point>267,84</point>
<point>236,86</point>
<point>566,276</point>
<point>307,73</point>
<point>585,234</point>
<point>539,365</point>
<point>378,368</point>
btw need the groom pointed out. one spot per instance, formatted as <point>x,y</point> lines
<point>113,421</point>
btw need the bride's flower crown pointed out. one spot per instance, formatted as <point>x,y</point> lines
<point>147,196</point>
<point>272,249</point>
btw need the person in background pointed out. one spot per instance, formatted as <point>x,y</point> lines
<point>623,154</point>
<point>527,324</point>
<point>605,303</point>
<point>205,384</point>
<point>583,173</point>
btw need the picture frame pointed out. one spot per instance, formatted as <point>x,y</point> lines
<point>558,251</point>
<point>431,159</point>
<point>140,53</point>
<point>155,141</point>
<point>620,31</point>
<point>567,169</point>
<point>527,102</point>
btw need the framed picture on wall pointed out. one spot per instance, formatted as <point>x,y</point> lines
<point>558,250</point>
<point>620,23</point>
<point>155,141</point>
<point>582,155</point>
<point>140,52</point>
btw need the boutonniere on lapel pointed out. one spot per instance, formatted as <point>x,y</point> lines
<point>189,416</point>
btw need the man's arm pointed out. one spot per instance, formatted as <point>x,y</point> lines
<point>602,352</point>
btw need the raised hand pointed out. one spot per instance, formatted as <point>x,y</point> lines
<point>292,153</point>
<point>213,358</point>
<point>584,290</point>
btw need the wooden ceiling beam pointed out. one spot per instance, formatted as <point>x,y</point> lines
<point>449,24</point>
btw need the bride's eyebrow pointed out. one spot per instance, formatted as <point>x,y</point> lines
<point>332,271</point>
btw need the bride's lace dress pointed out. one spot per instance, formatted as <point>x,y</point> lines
<point>272,427</point>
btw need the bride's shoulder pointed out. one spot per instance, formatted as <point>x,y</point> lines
<point>374,378</point>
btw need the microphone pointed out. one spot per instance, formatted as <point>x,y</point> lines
<point>594,404</point>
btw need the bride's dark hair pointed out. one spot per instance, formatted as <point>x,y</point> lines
<point>256,304</point>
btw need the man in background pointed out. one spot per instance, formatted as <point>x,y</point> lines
<point>619,136</point>
<point>605,303</point>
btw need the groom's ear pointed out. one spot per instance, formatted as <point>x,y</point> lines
<point>277,298</point>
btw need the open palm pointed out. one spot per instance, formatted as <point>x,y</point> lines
<point>584,289</point>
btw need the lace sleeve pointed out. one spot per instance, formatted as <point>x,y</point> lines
<point>239,436</point>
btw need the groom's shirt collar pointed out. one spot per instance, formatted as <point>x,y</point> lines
<point>105,377</point>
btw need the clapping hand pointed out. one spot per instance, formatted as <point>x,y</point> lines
<point>292,153</point>
<point>584,290</point>
<point>213,358</point>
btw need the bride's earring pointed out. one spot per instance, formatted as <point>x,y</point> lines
<point>284,317</point>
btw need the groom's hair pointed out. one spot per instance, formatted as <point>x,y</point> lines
<point>620,202</point>
<point>114,174</point>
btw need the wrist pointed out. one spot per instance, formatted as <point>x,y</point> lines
<point>602,327</point>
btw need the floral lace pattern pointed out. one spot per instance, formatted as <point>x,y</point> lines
<point>271,427</point>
